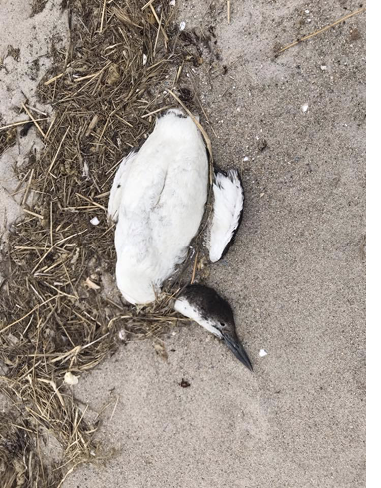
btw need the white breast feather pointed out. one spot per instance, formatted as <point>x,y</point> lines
<point>227,209</point>
<point>118,185</point>
<point>161,207</point>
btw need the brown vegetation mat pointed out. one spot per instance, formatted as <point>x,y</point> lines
<point>105,89</point>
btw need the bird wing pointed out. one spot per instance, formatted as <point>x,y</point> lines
<point>227,212</point>
<point>118,185</point>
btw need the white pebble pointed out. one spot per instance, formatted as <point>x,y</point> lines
<point>122,335</point>
<point>182,25</point>
<point>308,20</point>
<point>304,107</point>
<point>307,11</point>
<point>95,221</point>
<point>323,67</point>
<point>70,379</point>
<point>85,171</point>
<point>144,59</point>
<point>172,3</point>
<point>262,353</point>
<point>246,158</point>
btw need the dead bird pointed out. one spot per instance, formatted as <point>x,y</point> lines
<point>157,201</point>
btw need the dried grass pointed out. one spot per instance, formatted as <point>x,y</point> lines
<point>54,317</point>
<point>21,461</point>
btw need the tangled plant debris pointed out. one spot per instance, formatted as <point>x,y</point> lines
<point>123,63</point>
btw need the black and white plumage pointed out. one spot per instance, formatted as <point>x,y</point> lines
<point>227,212</point>
<point>157,201</point>
<point>206,307</point>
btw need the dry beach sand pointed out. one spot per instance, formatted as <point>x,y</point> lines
<point>295,127</point>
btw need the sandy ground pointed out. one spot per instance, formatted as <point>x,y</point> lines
<point>25,42</point>
<point>295,276</point>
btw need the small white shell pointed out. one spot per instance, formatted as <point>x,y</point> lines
<point>70,379</point>
<point>95,221</point>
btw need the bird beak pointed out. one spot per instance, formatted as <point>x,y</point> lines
<point>237,349</point>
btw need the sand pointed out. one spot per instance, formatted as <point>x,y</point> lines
<point>295,275</point>
<point>25,43</point>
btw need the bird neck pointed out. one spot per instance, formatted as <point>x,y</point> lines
<point>183,306</point>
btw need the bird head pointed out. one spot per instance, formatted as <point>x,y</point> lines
<point>206,307</point>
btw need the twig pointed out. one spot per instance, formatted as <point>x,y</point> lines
<point>160,26</point>
<point>179,70</point>
<point>58,150</point>
<point>37,111</point>
<point>34,121</point>
<point>86,77</point>
<point>22,122</point>
<point>148,4</point>
<point>194,268</point>
<point>157,35</point>
<point>103,16</point>
<point>51,125</point>
<point>156,111</point>
<point>33,213</point>
<point>320,31</point>
<point>228,9</point>
<point>92,202</point>
<point>113,411</point>
<point>76,350</point>
<point>53,79</point>
<point>27,188</point>
<point>54,386</point>
<point>96,340</point>
<point>51,224</point>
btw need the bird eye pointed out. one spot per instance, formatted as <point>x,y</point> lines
<point>222,324</point>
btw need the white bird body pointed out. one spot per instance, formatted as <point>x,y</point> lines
<point>158,199</point>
